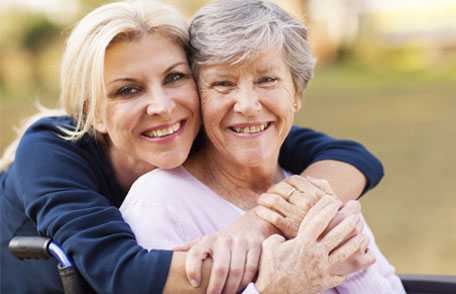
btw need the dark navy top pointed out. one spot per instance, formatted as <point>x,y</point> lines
<point>68,191</point>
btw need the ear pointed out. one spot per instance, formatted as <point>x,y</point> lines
<point>99,123</point>
<point>297,103</point>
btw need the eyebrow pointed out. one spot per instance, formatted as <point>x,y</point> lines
<point>267,69</point>
<point>174,66</point>
<point>170,68</point>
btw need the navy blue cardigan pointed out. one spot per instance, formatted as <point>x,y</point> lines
<point>68,191</point>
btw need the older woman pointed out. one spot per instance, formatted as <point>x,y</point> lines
<point>128,104</point>
<point>252,62</point>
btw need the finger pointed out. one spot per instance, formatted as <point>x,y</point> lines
<point>365,261</point>
<point>220,265</point>
<point>237,265</point>
<point>364,246</point>
<point>303,185</point>
<point>277,203</point>
<point>335,281</point>
<point>350,208</point>
<point>307,194</point>
<point>286,226</point>
<point>321,184</point>
<point>341,232</point>
<point>318,218</point>
<point>303,201</point>
<point>194,262</point>
<point>358,261</point>
<point>272,241</point>
<point>251,266</point>
<point>362,258</point>
<point>186,246</point>
<point>346,250</point>
<point>283,189</point>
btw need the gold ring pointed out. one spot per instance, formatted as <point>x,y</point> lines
<point>293,189</point>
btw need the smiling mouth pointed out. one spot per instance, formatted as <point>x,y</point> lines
<point>164,131</point>
<point>251,129</point>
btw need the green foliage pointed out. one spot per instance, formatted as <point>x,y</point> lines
<point>38,33</point>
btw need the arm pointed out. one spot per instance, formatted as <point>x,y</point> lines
<point>177,279</point>
<point>319,153</point>
<point>59,190</point>
<point>346,181</point>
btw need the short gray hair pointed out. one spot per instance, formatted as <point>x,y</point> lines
<point>234,31</point>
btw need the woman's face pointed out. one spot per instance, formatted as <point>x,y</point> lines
<point>151,112</point>
<point>248,110</point>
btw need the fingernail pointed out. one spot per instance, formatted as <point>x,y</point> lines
<point>194,283</point>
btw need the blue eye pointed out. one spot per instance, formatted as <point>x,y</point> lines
<point>128,91</point>
<point>174,77</point>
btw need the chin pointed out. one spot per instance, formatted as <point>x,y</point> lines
<point>252,160</point>
<point>172,161</point>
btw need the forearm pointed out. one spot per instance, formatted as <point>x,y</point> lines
<point>304,148</point>
<point>346,181</point>
<point>177,281</point>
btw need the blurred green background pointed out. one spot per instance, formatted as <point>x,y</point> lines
<point>386,77</point>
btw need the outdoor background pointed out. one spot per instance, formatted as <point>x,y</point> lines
<point>386,77</point>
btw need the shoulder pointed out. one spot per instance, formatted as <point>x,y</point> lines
<point>43,153</point>
<point>159,187</point>
<point>52,124</point>
<point>47,133</point>
<point>160,179</point>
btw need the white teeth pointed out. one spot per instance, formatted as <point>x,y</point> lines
<point>157,133</point>
<point>251,129</point>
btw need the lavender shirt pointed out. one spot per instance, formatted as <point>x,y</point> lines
<point>166,208</point>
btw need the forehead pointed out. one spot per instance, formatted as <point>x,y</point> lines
<point>149,52</point>
<point>271,60</point>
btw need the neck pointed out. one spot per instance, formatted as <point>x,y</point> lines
<point>127,168</point>
<point>236,183</point>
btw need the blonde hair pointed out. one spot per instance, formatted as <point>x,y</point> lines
<point>82,68</point>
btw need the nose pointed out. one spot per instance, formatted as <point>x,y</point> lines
<point>247,101</point>
<point>159,103</point>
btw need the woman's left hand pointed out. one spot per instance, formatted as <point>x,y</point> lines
<point>235,252</point>
<point>286,204</point>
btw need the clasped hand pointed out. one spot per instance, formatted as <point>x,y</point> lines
<point>325,243</point>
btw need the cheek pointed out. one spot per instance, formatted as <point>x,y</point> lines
<point>188,97</point>
<point>213,112</point>
<point>120,116</point>
<point>280,102</point>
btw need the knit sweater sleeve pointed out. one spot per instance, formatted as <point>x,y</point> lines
<point>59,190</point>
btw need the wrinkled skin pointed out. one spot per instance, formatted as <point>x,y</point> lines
<point>303,264</point>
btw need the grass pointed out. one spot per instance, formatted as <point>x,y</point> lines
<point>407,120</point>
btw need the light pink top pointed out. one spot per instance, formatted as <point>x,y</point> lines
<point>169,208</point>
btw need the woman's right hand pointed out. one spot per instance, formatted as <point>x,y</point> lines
<point>235,252</point>
<point>303,264</point>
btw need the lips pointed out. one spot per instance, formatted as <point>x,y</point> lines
<point>164,131</point>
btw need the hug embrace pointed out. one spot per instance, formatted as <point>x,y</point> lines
<point>172,164</point>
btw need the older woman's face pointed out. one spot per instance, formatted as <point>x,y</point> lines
<point>248,109</point>
<point>151,112</point>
